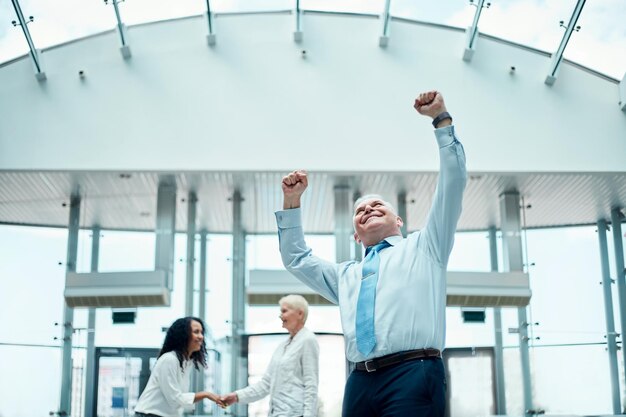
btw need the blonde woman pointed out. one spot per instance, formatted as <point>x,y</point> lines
<point>292,377</point>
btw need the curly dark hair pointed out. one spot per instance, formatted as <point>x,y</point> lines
<point>177,340</point>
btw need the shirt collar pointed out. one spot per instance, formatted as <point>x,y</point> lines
<point>394,240</point>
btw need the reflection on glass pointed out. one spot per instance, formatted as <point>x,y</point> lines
<point>332,371</point>
<point>118,386</point>
<point>571,380</point>
<point>471,385</point>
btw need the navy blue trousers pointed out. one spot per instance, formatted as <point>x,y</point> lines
<point>415,388</point>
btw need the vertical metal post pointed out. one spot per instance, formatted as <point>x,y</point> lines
<point>358,248</point>
<point>402,212</point>
<point>608,313</point>
<point>202,307</point>
<point>618,248</point>
<point>166,228</point>
<point>513,259</point>
<point>239,297</point>
<point>191,252</point>
<point>90,376</point>
<point>497,327</point>
<point>343,223</point>
<point>68,312</point>
<point>190,264</point>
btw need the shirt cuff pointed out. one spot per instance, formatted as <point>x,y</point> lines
<point>188,398</point>
<point>445,136</point>
<point>288,219</point>
<point>241,397</point>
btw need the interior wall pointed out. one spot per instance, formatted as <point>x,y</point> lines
<point>253,103</point>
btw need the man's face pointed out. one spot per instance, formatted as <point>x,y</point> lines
<point>374,221</point>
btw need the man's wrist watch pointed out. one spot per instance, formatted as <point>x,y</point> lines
<point>440,117</point>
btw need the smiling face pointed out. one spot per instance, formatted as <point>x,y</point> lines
<point>292,318</point>
<point>196,337</point>
<point>374,221</point>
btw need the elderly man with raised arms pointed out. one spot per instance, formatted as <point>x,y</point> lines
<point>393,302</point>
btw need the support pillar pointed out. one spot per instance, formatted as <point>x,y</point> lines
<point>343,223</point>
<point>618,248</point>
<point>191,252</point>
<point>513,260</point>
<point>90,376</point>
<point>202,309</point>
<point>608,313</point>
<point>497,327</point>
<point>358,248</point>
<point>166,228</point>
<point>238,368</point>
<point>402,212</point>
<point>65,403</point>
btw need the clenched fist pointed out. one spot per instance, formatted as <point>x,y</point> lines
<point>430,104</point>
<point>294,185</point>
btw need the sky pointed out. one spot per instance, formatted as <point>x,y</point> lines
<point>600,44</point>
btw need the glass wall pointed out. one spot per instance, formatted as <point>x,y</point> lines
<point>569,362</point>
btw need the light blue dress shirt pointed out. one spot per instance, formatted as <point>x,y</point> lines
<point>411,291</point>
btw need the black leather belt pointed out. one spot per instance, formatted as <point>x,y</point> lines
<point>394,358</point>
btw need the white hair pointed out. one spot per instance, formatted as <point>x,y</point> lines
<point>297,302</point>
<point>372,197</point>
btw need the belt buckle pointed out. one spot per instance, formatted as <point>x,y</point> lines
<point>367,367</point>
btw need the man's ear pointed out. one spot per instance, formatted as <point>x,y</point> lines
<point>399,221</point>
<point>356,238</point>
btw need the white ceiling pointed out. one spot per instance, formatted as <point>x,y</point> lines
<point>114,202</point>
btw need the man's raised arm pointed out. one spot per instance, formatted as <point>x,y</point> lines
<point>320,275</point>
<point>446,207</point>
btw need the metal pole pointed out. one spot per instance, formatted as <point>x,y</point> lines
<point>402,212</point>
<point>68,312</point>
<point>239,297</point>
<point>618,248</point>
<point>343,223</point>
<point>202,307</point>
<point>166,228</point>
<point>568,33</point>
<point>41,76</point>
<point>608,313</point>
<point>513,259</point>
<point>358,248</point>
<point>474,28</point>
<point>90,376</point>
<point>191,252</point>
<point>120,25</point>
<point>497,327</point>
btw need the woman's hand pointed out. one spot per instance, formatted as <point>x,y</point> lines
<point>230,398</point>
<point>215,398</point>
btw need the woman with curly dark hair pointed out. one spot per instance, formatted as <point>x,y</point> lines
<point>166,393</point>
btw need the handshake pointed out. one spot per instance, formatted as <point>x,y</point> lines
<point>223,400</point>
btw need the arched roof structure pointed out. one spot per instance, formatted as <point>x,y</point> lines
<point>238,114</point>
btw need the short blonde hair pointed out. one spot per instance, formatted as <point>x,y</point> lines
<point>296,301</point>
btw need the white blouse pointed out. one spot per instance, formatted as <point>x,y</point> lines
<point>291,378</point>
<point>166,391</point>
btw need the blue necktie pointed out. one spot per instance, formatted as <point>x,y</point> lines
<point>365,337</point>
